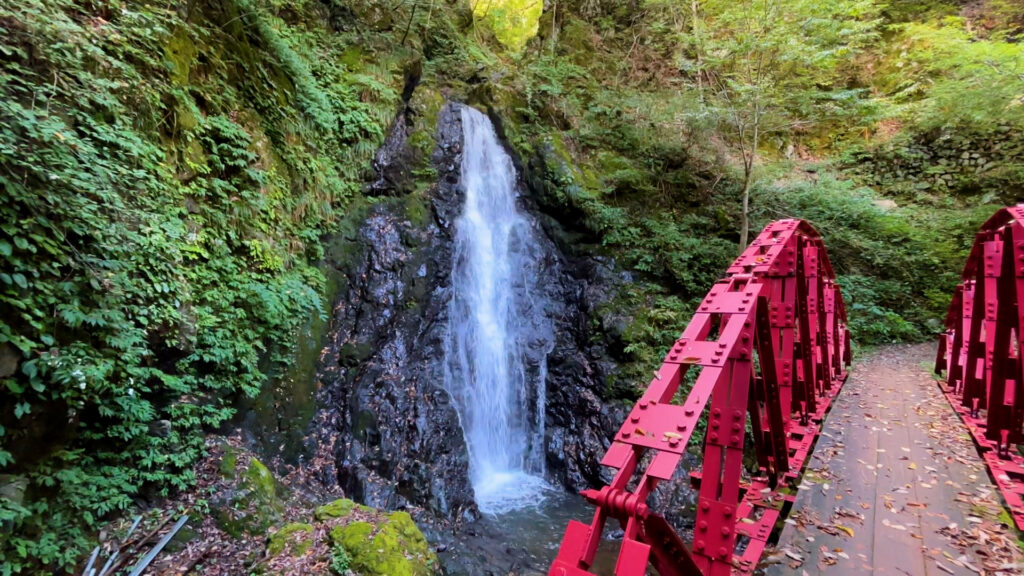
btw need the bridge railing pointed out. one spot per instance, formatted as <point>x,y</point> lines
<point>770,341</point>
<point>980,351</point>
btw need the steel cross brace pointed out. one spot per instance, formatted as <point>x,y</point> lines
<point>770,341</point>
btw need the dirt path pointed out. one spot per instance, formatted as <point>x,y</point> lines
<point>895,485</point>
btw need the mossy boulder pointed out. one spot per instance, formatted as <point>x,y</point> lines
<point>340,508</point>
<point>248,504</point>
<point>294,538</point>
<point>351,538</point>
<point>395,547</point>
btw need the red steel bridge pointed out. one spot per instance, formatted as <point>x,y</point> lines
<point>770,345</point>
<point>769,341</point>
<point>980,352</point>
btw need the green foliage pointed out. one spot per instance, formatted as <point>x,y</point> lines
<point>162,205</point>
<point>340,559</point>
<point>656,325</point>
<point>167,173</point>
<point>897,266</point>
<point>900,11</point>
<point>870,321</point>
<point>514,22</point>
<point>680,250</point>
<point>939,76</point>
<point>1005,18</point>
<point>776,67</point>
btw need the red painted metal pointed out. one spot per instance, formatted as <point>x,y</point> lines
<point>980,351</point>
<point>770,340</point>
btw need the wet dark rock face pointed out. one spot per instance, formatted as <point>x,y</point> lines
<point>580,423</point>
<point>397,439</point>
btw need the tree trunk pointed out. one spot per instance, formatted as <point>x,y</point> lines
<point>700,62</point>
<point>748,177</point>
<point>745,219</point>
<point>554,16</point>
<point>408,26</point>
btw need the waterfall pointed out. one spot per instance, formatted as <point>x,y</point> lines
<point>498,333</point>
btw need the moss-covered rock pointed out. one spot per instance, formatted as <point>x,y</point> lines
<point>296,538</point>
<point>394,548</point>
<point>248,504</point>
<point>260,482</point>
<point>340,508</point>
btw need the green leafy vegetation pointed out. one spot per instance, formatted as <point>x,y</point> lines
<point>645,114</point>
<point>941,77</point>
<point>340,559</point>
<point>770,68</point>
<point>163,203</point>
<point>512,21</point>
<point>169,171</point>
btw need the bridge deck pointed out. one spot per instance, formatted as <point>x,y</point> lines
<point>895,485</point>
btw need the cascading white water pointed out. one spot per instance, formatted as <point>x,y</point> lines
<point>498,333</point>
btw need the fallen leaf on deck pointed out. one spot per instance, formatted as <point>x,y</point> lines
<point>845,529</point>
<point>889,524</point>
<point>965,562</point>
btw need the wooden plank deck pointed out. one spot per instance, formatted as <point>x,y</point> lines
<point>895,485</point>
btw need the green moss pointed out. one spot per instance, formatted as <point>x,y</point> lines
<point>351,534</point>
<point>397,548</point>
<point>260,482</point>
<point>228,463</point>
<point>343,248</point>
<point>427,103</point>
<point>180,53</point>
<point>339,509</point>
<point>513,22</point>
<point>417,210</point>
<point>251,506</point>
<point>290,537</point>
<point>577,38</point>
<point>402,523</point>
<point>352,58</point>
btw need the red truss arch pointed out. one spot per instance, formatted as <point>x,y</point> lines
<point>980,351</point>
<point>770,341</point>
